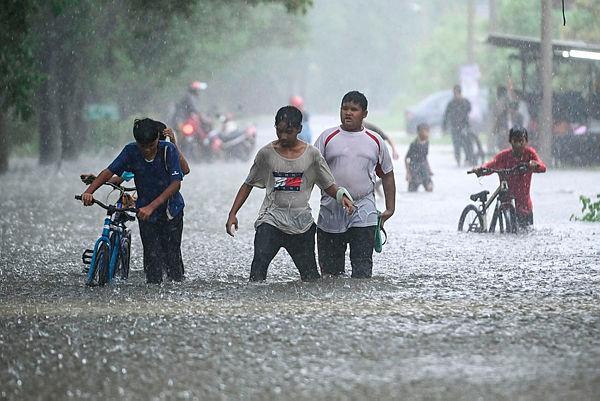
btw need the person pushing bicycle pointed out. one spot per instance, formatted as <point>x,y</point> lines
<point>158,175</point>
<point>519,184</point>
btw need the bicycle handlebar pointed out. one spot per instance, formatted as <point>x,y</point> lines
<point>111,208</point>
<point>120,188</point>
<point>518,169</point>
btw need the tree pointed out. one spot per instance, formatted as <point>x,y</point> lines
<point>64,53</point>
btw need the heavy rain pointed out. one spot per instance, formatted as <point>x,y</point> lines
<point>448,314</point>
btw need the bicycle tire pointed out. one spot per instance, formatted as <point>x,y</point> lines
<point>495,220</point>
<point>510,217</point>
<point>476,224</point>
<point>100,267</point>
<point>125,256</point>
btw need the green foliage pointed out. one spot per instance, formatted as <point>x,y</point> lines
<point>589,208</point>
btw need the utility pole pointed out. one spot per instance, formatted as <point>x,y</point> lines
<point>493,16</point>
<point>545,122</point>
<point>470,31</point>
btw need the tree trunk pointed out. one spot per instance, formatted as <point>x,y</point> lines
<point>4,144</point>
<point>471,31</point>
<point>493,15</point>
<point>49,146</point>
<point>545,118</point>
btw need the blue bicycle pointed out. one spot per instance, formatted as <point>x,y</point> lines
<point>112,251</point>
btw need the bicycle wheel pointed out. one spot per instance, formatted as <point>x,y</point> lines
<point>98,273</point>
<point>510,219</point>
<point>471,220</point>
<point>125,256</point>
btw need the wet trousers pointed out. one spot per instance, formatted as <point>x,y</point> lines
<point>161,240</point>
<point>268,240</point>
<point>332,251</point>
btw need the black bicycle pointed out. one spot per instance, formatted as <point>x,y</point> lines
<point>474,218</point>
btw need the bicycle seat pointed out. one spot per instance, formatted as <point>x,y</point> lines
<point>482,196</point>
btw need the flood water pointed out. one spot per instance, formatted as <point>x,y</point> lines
<point>446,316</point>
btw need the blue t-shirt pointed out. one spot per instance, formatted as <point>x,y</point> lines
<point>152,177</point>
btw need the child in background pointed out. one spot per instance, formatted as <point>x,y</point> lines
<point>418,170</point>
<point>519,185</point>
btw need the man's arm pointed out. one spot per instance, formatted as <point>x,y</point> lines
<point>389,193</point>
<point>238,202</point>
<point>145,212</point>
<point>536,164</point>
<point>87,196</point>
<point>347,204</point>
<point>185,167</point>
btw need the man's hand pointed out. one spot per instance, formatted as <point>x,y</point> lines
<point>171,135</point>
<point>533,165</point>
<point>348,205</point>
<point>145,212</point>
<point>232,223</point>
<point>395,155</point>
<point>87,199</point>
<point>87,178</point>
<point>386,215</point>
<point>477,171</point>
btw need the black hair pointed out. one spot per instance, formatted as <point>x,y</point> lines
<point>355,97</point>
<point>144,131</point>
<point>457,88</point>
<point>160,127</point>
<point>291,115</point>
<point>422,126</point>
<point>516,133</point>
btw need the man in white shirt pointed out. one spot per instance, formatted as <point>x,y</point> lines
<point>356,156</point>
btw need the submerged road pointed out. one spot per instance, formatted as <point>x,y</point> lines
<point>446,316</point>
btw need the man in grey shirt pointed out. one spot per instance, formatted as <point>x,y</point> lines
<point>356,157</point>
<point>288,169</point>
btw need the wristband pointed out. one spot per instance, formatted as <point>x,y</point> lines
<point>340,195</point>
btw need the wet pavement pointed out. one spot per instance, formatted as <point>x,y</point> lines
<point>446,316</point>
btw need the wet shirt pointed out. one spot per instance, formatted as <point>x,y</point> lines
<point>456,115</point>
<point>288,184</point>
<point>417,153</point>
<point>152,177</point>
<point>355,159</point>
<point>519,185</point>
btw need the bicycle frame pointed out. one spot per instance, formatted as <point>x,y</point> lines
<point>114,233</point>
<point>502,188</point>
<point>504,211</point>
<point>118,230</point>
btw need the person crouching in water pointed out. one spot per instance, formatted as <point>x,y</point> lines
<point>288,169</point>
<point>418,170</point>
<point>519,185</point>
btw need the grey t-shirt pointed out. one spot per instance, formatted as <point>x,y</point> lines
<point>288,184</point>
<point>354,158</point>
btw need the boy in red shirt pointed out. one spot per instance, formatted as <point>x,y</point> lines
<point>518,184</point>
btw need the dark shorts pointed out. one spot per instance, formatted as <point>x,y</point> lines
<point>301,247</point>
<point>332,251</point>
<point>524,220</point>
<point>162,248</point>
<point>418,177</point>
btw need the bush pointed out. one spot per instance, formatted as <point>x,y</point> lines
<point>590,210</point>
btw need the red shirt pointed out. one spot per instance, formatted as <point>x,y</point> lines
<point>518,184</point>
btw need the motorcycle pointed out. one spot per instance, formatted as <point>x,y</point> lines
<point>194,140</point>
<point>231,142</point>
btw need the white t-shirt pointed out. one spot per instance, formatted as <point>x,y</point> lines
<point>288,184</point>
<point>353,158</point>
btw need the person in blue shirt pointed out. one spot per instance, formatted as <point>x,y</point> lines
<point>158,177</point>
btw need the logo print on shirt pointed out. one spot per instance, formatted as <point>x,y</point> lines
<point>287,181</point>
